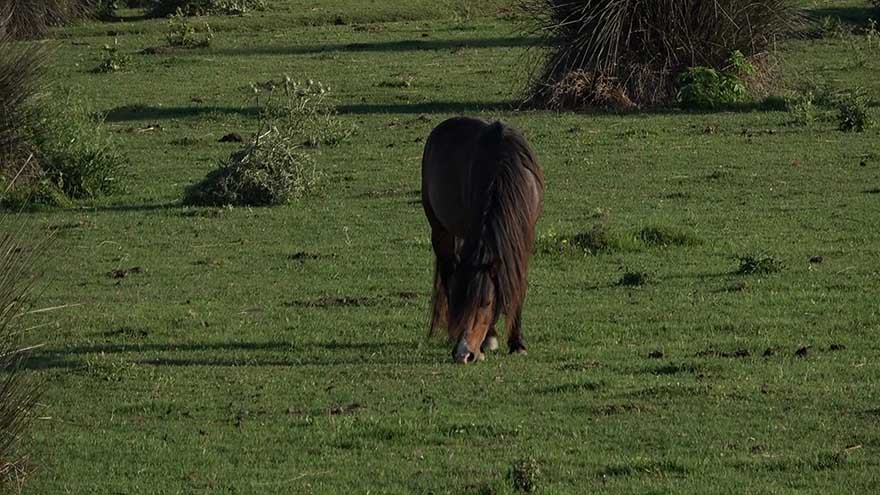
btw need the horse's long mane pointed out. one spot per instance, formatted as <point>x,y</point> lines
<point>499,243</point>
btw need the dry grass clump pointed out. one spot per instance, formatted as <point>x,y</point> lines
<point>28,19</point>
<point>277,165</point>
<point>18,394</point>
<point>625,53</point>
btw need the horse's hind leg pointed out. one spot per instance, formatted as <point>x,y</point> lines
<point>515,342</point>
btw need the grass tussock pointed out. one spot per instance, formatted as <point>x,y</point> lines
<point>29,19</point>
<point>627,53</point>
<point>21,67</point>
<point>18,394</point>
<point>666,236</point>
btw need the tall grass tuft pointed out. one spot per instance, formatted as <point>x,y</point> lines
<point>18,394</point>
<point>631,53</point>
<point>28,19</point>
<point>51,148</point>
<point>21,67</point>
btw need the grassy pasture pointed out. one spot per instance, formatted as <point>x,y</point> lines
<point>283,350</point>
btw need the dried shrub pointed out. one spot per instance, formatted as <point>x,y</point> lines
<point>272,169</point>
<point>624,53</point>
<point>276,166</point>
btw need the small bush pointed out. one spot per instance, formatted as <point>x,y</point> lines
<point>705,87</point>
<point>183,34</point>
<point>114,60</point>
<point>802,108</point>
<point>759,265</point>
<point>853,112</point>
<point>304,109</point>
<point>75,152</point>
<point>164,8</point>
<point>275,167</point>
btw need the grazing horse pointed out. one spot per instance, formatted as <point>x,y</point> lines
<point>481,190</point>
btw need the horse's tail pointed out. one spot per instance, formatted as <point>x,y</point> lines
<point>511,208</point>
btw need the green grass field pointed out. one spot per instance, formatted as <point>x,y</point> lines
<point>283,350</point>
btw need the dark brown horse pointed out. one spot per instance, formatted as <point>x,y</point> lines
<point>481,190</point>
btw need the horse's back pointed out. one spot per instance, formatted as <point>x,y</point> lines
<point>446,166</point>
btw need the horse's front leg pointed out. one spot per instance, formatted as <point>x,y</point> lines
<point>515,342</point>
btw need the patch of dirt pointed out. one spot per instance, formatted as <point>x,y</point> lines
<point>677,196</point>
<point>127,332</point>
<point>772,351</point>
<point>614,409</point>
<point>212,262</point>
<point>390,193</point>
<point>580,366</point>
<point>398,298</point>
<point>124,272</point>
<point>339,409</point>
<point>82,224</point>
<point>738,353</point>
<point>302,256</point>
<point>328,302</point>
<point>156,50</point>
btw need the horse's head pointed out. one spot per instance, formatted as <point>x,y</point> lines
<point>473,308</point>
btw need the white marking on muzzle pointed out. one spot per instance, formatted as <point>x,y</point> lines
<point>461,351</point>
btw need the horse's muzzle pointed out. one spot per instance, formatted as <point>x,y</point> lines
<point>462,355</point>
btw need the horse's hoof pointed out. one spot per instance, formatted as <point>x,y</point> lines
<point>491,344</point>
<point>518,349</point>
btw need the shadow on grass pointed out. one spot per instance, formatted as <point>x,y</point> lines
<point>385,46</point>
<point>74,357</point>
<point>857,16</point>
<point>142,112</point>
<point>145,112</point>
